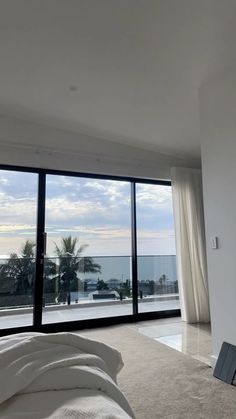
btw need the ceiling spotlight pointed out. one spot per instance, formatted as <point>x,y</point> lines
<point>73,88</point>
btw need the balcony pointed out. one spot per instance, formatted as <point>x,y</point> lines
<point>77,294</point>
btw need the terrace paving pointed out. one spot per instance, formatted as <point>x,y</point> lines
<point>80,312</point>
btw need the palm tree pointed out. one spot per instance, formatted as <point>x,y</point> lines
<point>21,268</point>
<point>71,262</point>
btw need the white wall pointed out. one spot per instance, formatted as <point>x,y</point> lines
<point>29,144</point>
<point>218,133</point>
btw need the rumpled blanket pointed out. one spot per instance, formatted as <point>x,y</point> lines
<point>35,362</point>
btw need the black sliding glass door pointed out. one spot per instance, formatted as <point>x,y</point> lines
<point>18,219</point>
<point>80,249</point>
<point>156,254</point>
<point>87,271</point>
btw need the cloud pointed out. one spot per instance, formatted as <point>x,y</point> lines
<point>154,196</point>
<point>97,202</point>
<point>97,210</point>
<point>4,181</point>
<point>9,228</point>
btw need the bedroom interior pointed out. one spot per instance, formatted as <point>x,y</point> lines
<point>117,222</point>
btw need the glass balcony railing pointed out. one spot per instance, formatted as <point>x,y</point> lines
<point>97,286</point>
<point>17,277</point>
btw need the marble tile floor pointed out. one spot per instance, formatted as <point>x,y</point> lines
<point>191,339</point>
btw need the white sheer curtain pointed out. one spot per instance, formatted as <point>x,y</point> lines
<point>190,244</point>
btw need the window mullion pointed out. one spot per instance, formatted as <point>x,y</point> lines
<point>134,250</point>
<point>39,270</point>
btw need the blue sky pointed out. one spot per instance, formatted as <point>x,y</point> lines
<point>96,211</point>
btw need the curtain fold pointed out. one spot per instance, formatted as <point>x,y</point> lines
<point>190,244</point>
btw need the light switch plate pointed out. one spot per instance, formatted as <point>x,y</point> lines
<point>214,242</point>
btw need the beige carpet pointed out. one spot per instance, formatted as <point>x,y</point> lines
<point>160,382</point>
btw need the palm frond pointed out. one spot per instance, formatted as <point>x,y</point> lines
<point>81,249</point>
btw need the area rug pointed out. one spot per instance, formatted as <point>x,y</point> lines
<point>161,382</point>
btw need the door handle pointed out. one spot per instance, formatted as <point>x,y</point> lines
<point>44,244</point>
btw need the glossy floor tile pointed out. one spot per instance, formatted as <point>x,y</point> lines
<point>191,339</point>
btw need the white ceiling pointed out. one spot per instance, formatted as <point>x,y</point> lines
<point>124,70</point>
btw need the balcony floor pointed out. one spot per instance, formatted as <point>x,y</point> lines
<point>78,312</point>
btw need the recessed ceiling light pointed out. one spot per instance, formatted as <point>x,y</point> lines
<point>73,88</point>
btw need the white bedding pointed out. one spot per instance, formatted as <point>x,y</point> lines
<point>58,376</point>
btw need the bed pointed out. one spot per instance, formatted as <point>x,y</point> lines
<point>62,375</point>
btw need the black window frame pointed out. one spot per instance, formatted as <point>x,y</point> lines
<point>37,325</point>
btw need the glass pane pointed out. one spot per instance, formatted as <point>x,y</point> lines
<point>157,279</point>
<point>18,203</point>
<point>87,268</point>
